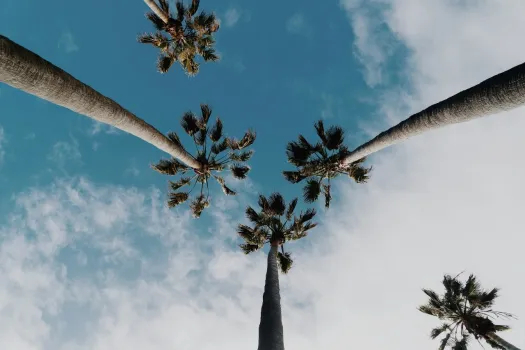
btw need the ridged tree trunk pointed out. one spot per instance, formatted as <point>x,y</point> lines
<point>271,326</point>
<point>157,10</point>
<point>502,92</point>
<point>502,342</point>
<point>26,71</point>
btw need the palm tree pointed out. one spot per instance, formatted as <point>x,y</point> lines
<point>188,35</point>
<point>275,223</point>
<point>466,310</point>
<point>213,158</point>
<point>502,92</point>
<point>24,70</point>
<point>320,163</point>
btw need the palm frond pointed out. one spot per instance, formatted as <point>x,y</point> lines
<point>291,208</point>
<point>494,344</point>
<point>174,138</point>
<point>311,191</point>
<point>239,171</point>
<point>247,140</point>
<point>334,137</point>
<point>217,148</point>
<point>436,332</point>
<point>249,248</point>
<point>501,328</point>
<point>164,6</point>
<point>253,216</point>
<point>319,128</point>
<point>206,112</point>
<point>487,299</point>
<point>169,167</point>
<point>227,191</point>
<point>198,205</point>
<point>327,195</point>
<point>209,55</point>
<point>461,344</point>
<point>189,123</point>
<point>445,341</point>
<point>243,156</point>
<point>157,22</point>
<point>192,10</point>
<point>293,176</point>
<point>306,216</point>
<point>263,203</point>
<point>175,199</point>
<point>284,261</point>
<point>277,204</point>
<point>246,233</point>
<point>359,174</point>
<point>181,10</point>
<point>297,154</point>
<point>183,181</point>
<point>164,63</point>
<point>216,131</point>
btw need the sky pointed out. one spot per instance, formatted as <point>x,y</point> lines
<point>91,258</point>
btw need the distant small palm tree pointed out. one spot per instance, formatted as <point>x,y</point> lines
<point>467,311</point>
<point>188,35</point>
<point>212,157</point>
<point>275,224</point>
<point>319,163</point>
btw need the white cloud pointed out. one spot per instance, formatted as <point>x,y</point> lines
<point>64,152</point>
<point>297,24</point>
<point>97,128</point>
<point>231,17</point>
<point>67,42</point>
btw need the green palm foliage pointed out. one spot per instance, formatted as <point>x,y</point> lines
<point>214,151</point>
<point>466,311</point>
<point>185,35</point>
<point>319,163</point>
<point>275,222</point>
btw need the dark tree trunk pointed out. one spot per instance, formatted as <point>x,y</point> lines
<point>271,326</point>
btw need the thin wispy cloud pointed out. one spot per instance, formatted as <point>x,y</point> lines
<point>100,128</point>
<point>231,17</point>
<point>297,24</point>
<point>67,42</point>
<point>64,152</point>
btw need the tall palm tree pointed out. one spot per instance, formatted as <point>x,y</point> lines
<point>502,92</point>
<point>275,224</point>
<point>188,35</point>
<point>466,310</point>
<point>212,156</point>
<point>25,70</point>
<point>319,163</point>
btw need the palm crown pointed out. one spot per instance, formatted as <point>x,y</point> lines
<point>275,223</point>
<point>322,161</point>
<point>466,310</point>
<point>224,152</point>
<point>188,35</point>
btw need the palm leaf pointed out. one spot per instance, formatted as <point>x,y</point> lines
<point>174,138</point>
<point>246,233</point>
<point>252,215</point>
<point>249,248</point>
<point>247,140</point>
<point>284,261</point>
<point>277,204</point>
<point>181,10</point>
<point>209,55</point>
<point>198,205</point>
<point>176,199</point>
<point>239,171</point>
<point>311,191</point>
<point>164,63</point>
<point>293,176</point>
<point>334,137</point>
<point>306,216</point>
<point>183,181</point>
<point>319,128</point>
<point>243,156</point>
<point>194,7</point>
<point>189,123</point>
<point>169,167</point>
<point>216,131</point>
<point>462,344</point>
<point>206,112</point>
<point>263,203</point>
<point>436,332</point>
<point>359,174</point>
<point>164,6</point>
<point>157,22</point>
<point>217,148</point>
<point>327,195</point>
<point>227,191</point>
<point>297,154</point>
<point>444,341</point>
<point>291,208</point>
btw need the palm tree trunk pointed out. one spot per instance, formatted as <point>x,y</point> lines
<point>502,342</point>
<point>271,326</point>
<point>25,70</point>
<point>502,92</point>
<point>157,10</point>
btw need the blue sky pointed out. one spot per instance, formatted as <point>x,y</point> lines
<point>92,258</point>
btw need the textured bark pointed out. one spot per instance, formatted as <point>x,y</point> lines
<point>157,10</point>
<point>271,326</point>
<point>502,92</point>
<point>25,70</point>
<point>502,342</point>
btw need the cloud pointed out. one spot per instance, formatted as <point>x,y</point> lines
<point>231,17</point>
<point>63,152</point>
<point>97,128</point>
<point>297,24</point>
<point>67,42</point>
